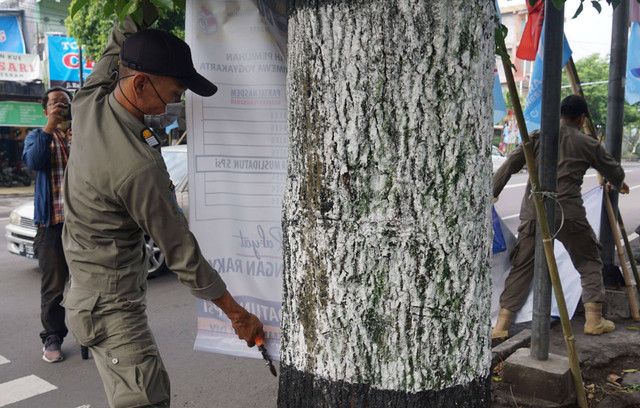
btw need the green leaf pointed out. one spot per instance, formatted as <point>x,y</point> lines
<point>533,2</point>
<point>633,328</point>
<point>631,370</point>
<point>120,5</point>
<point>138,15</point>
<point>77,5</point>
<point>500,33</point>
<point>109,7</point>
<point>131,7</point>
<point>496,379</point>
<point>163,4</point>
<point>597,6</point>
<point>122,14</point>
<point>559,4</point>
<point>180,4</point>
<point>579,10</point>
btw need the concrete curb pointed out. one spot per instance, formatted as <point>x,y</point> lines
<point>503,350</point>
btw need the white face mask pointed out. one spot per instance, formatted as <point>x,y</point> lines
<point>161,121</point>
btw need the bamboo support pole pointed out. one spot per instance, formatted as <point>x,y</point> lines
<point>589,128</point>
<point>625,271</point>
<point>547,241</point>
<point>627,245</point>
<point>181,137</point>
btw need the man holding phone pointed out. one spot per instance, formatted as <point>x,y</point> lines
<point>46,151</point>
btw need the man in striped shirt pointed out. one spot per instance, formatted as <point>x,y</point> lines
<point>46,151</point>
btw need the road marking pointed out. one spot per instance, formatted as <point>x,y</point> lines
<point>634,187</point>
<point>3,360</point>
<point>510,216</point>
<point>23,388</point>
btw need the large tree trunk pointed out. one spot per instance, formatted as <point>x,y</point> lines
<point>386,215</point>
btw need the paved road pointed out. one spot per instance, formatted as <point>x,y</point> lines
<point>508,207</point>
<point>198,379</point>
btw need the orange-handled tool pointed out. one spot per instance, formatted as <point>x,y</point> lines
<point>260,343</point>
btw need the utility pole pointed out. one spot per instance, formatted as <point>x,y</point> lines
<point>615,119</point>
<point>80,67</point>
<point>548,165</point>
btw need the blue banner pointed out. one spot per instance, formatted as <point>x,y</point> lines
<point>499,107</point>
<point>11,39</point>
<point>533,104</point>
<point>64,62</point>
<point>499,243</point>
<point>632,89</point>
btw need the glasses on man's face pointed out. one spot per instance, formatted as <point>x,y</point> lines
<point>54,103</point>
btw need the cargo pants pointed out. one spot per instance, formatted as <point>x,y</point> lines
<point>583,247</point>
<point>115,328</point>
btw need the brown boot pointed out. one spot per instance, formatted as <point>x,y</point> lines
<point>595,323</point>
<point>501,331</point>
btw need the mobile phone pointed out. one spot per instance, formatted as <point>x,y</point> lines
<point>65,112</point>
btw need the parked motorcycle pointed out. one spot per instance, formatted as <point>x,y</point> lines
<point>6,174</point>
<point>21,174</point>
<point>18,173</point>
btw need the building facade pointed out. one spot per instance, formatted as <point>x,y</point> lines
<point>24,25</point>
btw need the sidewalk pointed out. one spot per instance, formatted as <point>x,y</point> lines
<point>610,363</point>
<point>11,197</point>
<point>17,191</point>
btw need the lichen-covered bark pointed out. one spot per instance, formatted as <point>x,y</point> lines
<point>386,213</point>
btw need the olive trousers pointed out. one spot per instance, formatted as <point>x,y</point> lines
<point>115,328</point>
<point>583,247</point>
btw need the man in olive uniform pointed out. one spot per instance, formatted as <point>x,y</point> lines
<point>576,153</point>
<point>117,189</point>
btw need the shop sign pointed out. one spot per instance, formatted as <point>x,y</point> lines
<point>64,62</point>
<point>11,39</point>
<point>20,67</point>
<point>27,114</point>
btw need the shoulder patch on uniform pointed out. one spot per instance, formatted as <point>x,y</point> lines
<point>148,137</point>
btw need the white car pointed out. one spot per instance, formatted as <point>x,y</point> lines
<point>497,158</point>
<point>21,231</point>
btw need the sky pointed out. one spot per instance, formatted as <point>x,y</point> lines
<point>589,33</point>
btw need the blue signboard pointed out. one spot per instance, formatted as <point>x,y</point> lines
<point>11,39</point>
<point>64,62</point>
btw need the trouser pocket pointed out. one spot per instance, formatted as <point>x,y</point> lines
<point>137,377</point>
<point>84,324</point>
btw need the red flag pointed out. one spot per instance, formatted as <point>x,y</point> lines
<point>532,30</point>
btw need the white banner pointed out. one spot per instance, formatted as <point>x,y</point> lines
<point>20,67</point>
<point>569,276</point>
<point>237,165</point>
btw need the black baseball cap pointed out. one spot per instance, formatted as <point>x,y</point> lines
<point>161,53</point>
<point>574,105</point>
